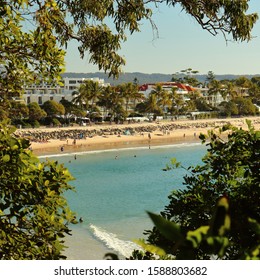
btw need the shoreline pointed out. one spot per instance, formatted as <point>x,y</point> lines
<point>112,144</point>
<point>51,152</point>
<point>48,141</point>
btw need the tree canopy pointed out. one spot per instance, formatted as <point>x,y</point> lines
<point>53,108</point>
<point>34,215</point>
<point>34,34</point>
<point>35,111</point>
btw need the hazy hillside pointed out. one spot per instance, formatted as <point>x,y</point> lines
<point>144,78</point>
<point>124,78</point>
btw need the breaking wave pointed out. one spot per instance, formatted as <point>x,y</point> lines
<point>124,248</point>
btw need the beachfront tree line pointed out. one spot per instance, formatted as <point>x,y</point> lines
<point>117,103</point>
<point>34,216</point>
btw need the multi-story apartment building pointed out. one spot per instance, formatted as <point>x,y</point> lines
<point>40,93</point>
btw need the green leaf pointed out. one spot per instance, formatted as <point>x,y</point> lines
<point>151,248</point>
<point>168,229</point>
<point>15,147</point>
<point>197,235</point>
<point>221,219</point>
<point>6,158</point>
<point>202,137</point>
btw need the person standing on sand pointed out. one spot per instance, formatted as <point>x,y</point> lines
<point>149,136</point>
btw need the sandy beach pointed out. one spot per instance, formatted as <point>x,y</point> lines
<point>75,139</point>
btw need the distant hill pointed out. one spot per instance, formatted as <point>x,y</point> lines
<point>145,78</point>
<point>124,78</point>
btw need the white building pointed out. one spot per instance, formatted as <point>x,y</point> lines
<point>71,84</point>
<point>43,92</point>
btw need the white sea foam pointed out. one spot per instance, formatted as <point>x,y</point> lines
<point>122,149</point>
<point>111,240</point>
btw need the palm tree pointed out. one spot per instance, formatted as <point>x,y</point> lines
<point>87,94</point>
<point>116,105</point>
<point>162,96</point>
<point>127,92</point>
<point>152,106</point>
<point>214,89</point>
<point>104,100</point>
<point>229,91</point>
<point>158,90</point>
<point>165,101</point>
<point>177,102</point>
<point>111,100</point>
<point>137,96</point>
<point>78,99</point>
<point>95,91</point>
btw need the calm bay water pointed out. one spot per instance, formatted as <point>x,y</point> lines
<point>114,189</point>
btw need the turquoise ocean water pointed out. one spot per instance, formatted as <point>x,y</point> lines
<point>114,189</point>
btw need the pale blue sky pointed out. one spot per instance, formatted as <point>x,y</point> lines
<point>181,44</point>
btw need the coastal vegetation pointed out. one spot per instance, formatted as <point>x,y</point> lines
<point>117,103</point>
<point>34,215</point>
